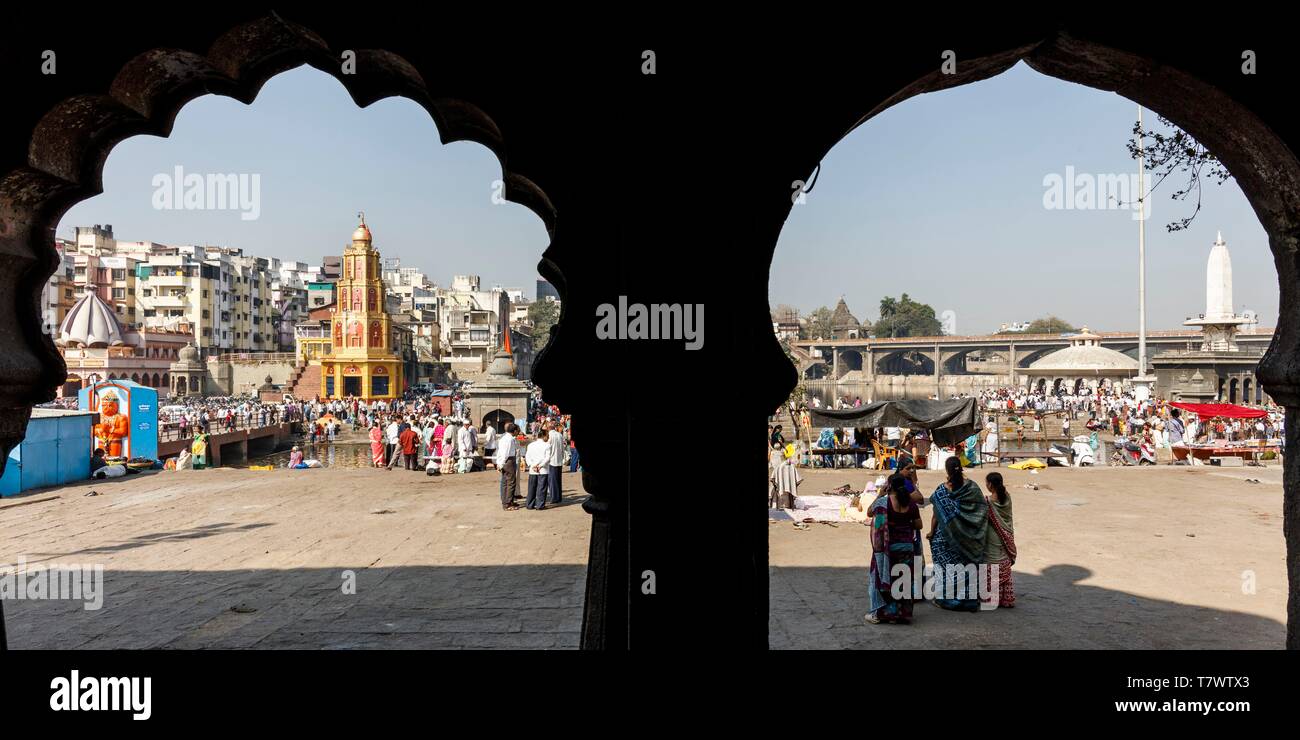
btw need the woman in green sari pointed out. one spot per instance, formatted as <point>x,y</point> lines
<point>958,533</point>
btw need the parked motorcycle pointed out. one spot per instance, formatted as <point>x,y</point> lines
<point>1129,452</point>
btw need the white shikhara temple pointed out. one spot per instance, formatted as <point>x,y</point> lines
<point>1220,321</point>
<point>1219,371</point>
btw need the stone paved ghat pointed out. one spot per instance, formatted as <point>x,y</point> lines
<point>229,558</point>
<point>1153,558</point>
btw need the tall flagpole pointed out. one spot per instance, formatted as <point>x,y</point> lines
<point>1142,253</point>
<point>1143,384</point>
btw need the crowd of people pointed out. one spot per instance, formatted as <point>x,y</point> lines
<point>435,435</point>
<point>418,432</point>
<point>194,415</point>
<point>1089,416</point>
<point>969,525</point>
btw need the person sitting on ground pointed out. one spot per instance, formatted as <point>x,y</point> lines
<point>97,460</point>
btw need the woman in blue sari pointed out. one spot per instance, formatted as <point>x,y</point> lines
<point>958,529</point>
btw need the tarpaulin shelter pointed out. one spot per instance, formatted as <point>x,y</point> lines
<point>1224,410</point>
<point>949,421</point>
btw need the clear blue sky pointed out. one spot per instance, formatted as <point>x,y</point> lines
<point>321,159</point>
<point>941,197</point>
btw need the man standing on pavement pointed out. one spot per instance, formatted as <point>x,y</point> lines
<point>537,457</point>
<point>391,434</point>
<point>489,444</point>
<point>507,461</point>
<point>408,442</point>
<point>557,444</point>
<point>467,443</point>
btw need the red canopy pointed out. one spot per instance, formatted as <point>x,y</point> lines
<point>1227,410</point>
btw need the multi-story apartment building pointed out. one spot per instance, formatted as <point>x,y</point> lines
<point>180,291</point>
<point>113,279</point>
<point>247,309</point>
<point>472,322</point>
<point>289,295</point>
<point>61,290</point>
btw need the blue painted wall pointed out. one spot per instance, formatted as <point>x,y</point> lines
<point>55,451</point>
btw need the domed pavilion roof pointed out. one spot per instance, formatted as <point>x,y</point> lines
<point>90,323</point>
<point>1086,356</point>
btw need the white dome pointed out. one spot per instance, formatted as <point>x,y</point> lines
<point>1086,358</point>
<point>90,323</point>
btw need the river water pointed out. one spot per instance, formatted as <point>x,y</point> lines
<point>828,392</point>
<point>336,455</point>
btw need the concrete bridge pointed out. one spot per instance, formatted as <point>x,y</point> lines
<point>833,359</point>
<point>242,443</point>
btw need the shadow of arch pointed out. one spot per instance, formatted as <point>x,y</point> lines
<point>1261,162</point>
<point>1054,609</point>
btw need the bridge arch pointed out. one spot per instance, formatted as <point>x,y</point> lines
<point>905,362</point>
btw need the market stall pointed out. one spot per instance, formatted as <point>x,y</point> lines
<point>1247,449</point>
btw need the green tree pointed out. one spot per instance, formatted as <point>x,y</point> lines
<point>1049,325</point>
<point>817,325</point>
<point>904,317</point>
<point>544,315</point>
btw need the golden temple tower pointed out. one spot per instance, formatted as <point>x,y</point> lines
<point>362,363</point>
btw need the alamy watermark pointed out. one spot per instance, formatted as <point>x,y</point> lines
<point>177,191</point>
<point>1083,191</point>
<point>920,580</point>
<point>53,582</point>
<point>654,321</point>
<point>108,694</point>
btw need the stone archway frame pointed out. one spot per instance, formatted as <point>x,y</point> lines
<point>1265,168</point>
<point>72,141</point>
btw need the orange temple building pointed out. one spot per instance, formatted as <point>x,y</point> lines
<point>362,363</point>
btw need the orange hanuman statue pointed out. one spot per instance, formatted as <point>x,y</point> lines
<point>112,426</point>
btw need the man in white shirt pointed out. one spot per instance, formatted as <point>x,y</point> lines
<point>556,441</point>
<point>391,433</point>
<point>467,440</point>
<point>506,460</point>
<point>538,459</point>
<point>449,439</point>
<point>490,443</point>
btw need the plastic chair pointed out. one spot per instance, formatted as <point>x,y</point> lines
<point>884,454</point>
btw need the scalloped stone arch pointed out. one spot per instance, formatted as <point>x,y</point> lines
<point>71,143</point>
<point>1265,168</point>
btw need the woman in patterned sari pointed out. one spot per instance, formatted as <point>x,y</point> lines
<point>895,540</point>
<point>958,532</point>
<point>1000,545</point>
